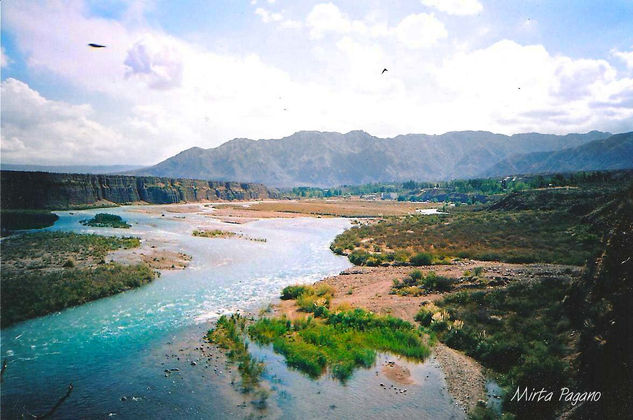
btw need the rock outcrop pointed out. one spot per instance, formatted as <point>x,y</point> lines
<point>41,190</point>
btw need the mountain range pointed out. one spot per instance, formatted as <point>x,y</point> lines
<point>314,158</point>
<point>614,152</point>
<point>70,169</point>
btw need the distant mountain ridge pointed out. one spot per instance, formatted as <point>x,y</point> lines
<point>70,169</point>
<point>615,152</point>
<point>314,158</point>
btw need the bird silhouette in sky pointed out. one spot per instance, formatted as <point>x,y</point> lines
<point>383,71</point>
<point>96,45</point>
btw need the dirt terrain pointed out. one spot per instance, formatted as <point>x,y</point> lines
<point>248,211</point>
<point>152,255</point>
<point>319,207</point>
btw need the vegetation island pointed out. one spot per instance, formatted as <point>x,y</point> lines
<point>44,272</point>
<point>106,220</point>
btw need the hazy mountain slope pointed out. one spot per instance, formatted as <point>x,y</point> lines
<point>615,152</point>
<point>71,169</point>
<point>327,158</point>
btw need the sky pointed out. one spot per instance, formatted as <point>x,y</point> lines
<point>175,75</point>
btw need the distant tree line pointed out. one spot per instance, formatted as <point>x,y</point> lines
<point>467,191</point>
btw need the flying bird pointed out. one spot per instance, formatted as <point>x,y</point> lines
<point>96,45</point>
<point>383,71</point>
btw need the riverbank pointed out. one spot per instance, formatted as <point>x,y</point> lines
<point>44,272</point>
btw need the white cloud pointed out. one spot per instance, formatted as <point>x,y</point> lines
<point>414,31</point>
<point>455,7</point>
<point>38,130</point>
<point>268,16</point>
<point>528,89</point>
<point>4,59</point>
<point>277,17</point>
<point>421,30</point>
<point>291,24</point>
<point>625,56</point>
<point>327,18</point>
<point>156,61</point>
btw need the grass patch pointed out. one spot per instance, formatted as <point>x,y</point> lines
<point>217,233</point>
<point>106,220</point>
<point>229,334</point>
<point>338,342</point>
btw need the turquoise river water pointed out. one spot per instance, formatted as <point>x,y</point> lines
<point>115,350</point>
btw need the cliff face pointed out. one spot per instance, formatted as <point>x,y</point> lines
<point>41,190</point>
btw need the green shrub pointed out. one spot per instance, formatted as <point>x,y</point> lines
<point>421,258</point>
<point>416,275</point>
<point>424,317</point>
<point>106,220</point>
<point>321,312</point>
<point>401,255</point>
<point>433,282</point>
<point>293,292</point>
<point>372,262</point>
<point>310,298</point>
<point>527,340</point>
<point>359,257</point>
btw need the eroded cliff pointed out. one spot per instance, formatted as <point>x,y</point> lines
<point>41,190</point>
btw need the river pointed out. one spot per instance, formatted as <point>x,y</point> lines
<point>114,350</point>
